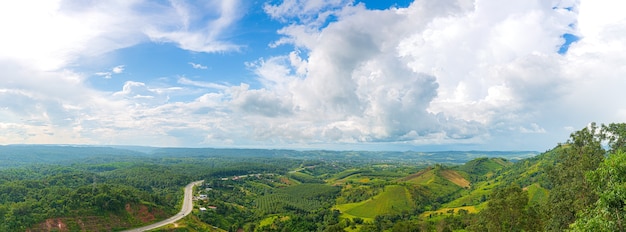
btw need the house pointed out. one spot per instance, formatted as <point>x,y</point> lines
<point>203,197</point>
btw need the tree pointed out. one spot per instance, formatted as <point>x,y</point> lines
<point>571,193</point>
<point>609,183</point>
<point>615,134</point>
<point>506,210</point>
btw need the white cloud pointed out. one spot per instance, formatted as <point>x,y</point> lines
<point>108,75</point>
<point>438,69</point>
<point>53,34</point>
<point>105,75</point>
<point>304,10</point>
<point>194,36</point>
<point>43,41</point>
<point>533,129</point>
<point>202,84</point>
<point>197,66</point>
<point>437,72</point>
<point>118,69</point>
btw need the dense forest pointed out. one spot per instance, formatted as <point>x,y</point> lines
<point>579,185</point>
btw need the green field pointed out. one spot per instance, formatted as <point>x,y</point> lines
<point>394,199</point>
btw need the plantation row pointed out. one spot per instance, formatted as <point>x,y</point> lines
<point>299,198</point>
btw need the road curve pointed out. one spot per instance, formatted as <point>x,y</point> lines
<point>187,207</point>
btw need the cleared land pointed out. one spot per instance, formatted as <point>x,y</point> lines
<point>455,178</point>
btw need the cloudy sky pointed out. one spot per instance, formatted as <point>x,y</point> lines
<point>311,74</point>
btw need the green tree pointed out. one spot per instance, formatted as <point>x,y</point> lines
<point>571,193</point>
<point>609,183</point>
<point>507,210</point>
<point>615,134</point>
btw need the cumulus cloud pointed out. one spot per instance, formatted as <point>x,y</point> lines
<point>43,41</point>
<point>437,72</point>
<point>444,71</point>
<point>306,11</point>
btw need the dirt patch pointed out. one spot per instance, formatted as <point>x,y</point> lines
<point>143,213</point>
<point>110,222</point>
<point>53,224</point>
<point>415,175</point>
<point>286,181</point>
<point>455,178</point>
<point>84,223</point>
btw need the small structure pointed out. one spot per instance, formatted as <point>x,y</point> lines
<point>202,209</point>
<point>203,197</point>
<point>212,207</point>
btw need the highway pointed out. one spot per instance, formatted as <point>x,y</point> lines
<point>184,211</point>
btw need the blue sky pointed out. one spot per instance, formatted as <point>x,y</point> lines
<point>333,74</point>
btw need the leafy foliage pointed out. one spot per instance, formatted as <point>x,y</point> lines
<point>609,183</point>
<point>508,210</point>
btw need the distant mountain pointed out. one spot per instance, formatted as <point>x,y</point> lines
<point>19,155</point>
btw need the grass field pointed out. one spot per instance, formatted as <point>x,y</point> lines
<point>270,220</point>
<point>481,190</point>
<point>422,178</point>
<point>442,211</point>
<point>418,177</point>
<point>394,199</point>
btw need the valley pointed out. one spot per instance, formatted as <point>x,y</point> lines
<point>111,189</point>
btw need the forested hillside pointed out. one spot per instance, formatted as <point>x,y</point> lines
<point>578,185</point>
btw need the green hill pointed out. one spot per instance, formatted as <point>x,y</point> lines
<point>483,167</point>
<point>394,199</point>
<point>441,183</point>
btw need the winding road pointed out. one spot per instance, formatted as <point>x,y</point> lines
<point>187,207</point>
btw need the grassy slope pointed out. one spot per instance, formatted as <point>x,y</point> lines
<point>484,167</point>
<point>436,181</point>
<point>498,173</point>
<point>455,210</point>
<point>394,199</point>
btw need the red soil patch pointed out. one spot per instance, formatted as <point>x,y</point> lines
<point>286,181</point>
<point>85,223</point>
<point>143,213</point>
<point>54,224</point>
